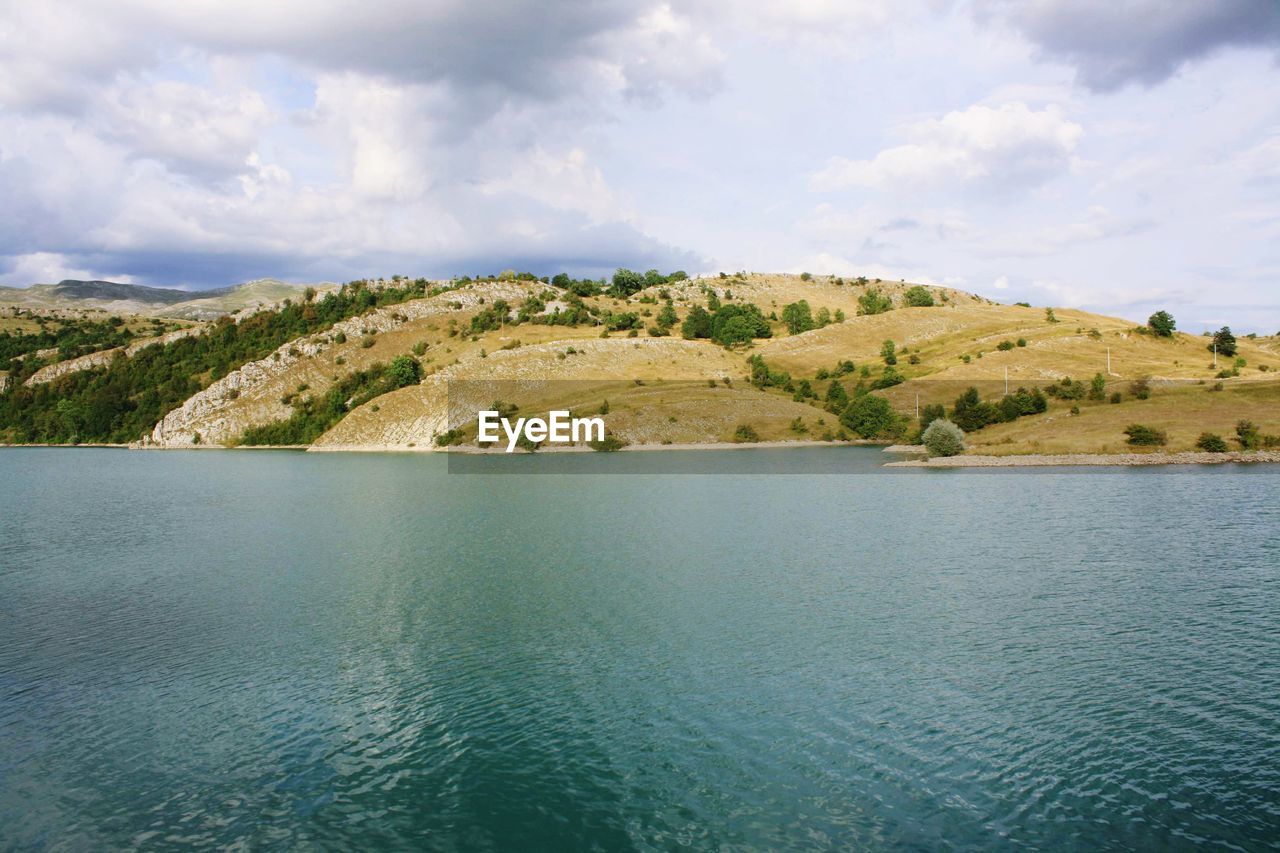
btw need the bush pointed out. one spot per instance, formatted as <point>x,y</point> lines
<point>943,438</point>
<point>918,297</point>
<point>1248,435</point>
<point>874,302</point>
<point>1211,443</point>
<point>745,433</point>
<point>1145,436</point>
<point>608,444</point>
<point>1022,342</point>
<point>1005,346</point>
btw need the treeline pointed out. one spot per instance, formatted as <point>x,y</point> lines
<point>123,401</point>
<point>624,283</point>
<point>71,337</point>
<point>313,417</point>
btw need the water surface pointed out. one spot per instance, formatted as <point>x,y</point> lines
<point>273,649</point>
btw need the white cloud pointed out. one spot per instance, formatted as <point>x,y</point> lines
<point>1011,146</point>
<point>47,268</point>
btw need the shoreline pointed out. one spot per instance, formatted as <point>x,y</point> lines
<point>1117,460</point>
<point>1061,460</point>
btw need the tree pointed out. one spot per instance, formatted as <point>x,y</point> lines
<point>918,297</point>
<point>1098,387</point>
<point>667,318</point>
<point>1162,323</point>
<point>873,302</point>
<point>627,282</point>
<point>871,417</point>
<point>697,323</point>
<point>931,413</point>
<point>888,353</point>
<point>1225,342</point>
<point>797,317</point>
<point>745,433</point>
<point>943,438</point>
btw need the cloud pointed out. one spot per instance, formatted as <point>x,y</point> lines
<point>994,148</point>
<point>1112,43</point>
<point>202,142</point>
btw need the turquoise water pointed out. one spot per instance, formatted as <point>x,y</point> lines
<point>274,650</point>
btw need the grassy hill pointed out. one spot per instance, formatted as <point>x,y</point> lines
<point>664,389</point>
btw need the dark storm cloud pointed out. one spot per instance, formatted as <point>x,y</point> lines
<point>1112,43</point>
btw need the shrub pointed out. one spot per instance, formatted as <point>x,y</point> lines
<point>1141,387</point>
<point>1145,436</point>
<point>887,353</point>
<point>1022,342</point>
<point>448,437</point>
<point>804,276</point>
<point>874,302</point>
<point>918,297</point>
<point>1116,397</point>
<point>1248,435</point>
<point>608,444</point>
<point>1005,346</point>
<point>745,433</point>
<point>1211,443</point>
<point>943,438</point>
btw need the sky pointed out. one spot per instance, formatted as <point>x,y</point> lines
<point>1117,155</point>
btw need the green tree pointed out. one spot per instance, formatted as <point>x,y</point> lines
<point>873,302</point>
<point>1225,341</point>
<point>888,352</point>
<point>667,317</point>
<point>697,323</point>
<point>1162,323</point>
<point>1098,387</point>
<point>627,282</point>
<point>870,416</point>
<point>797,317</point>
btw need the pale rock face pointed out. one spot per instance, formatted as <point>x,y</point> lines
<point>103,358</point>
<point>229,406</point>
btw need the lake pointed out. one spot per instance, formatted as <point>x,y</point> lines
<point>804,650</point>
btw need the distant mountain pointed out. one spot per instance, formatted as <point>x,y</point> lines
<point>120,298</point>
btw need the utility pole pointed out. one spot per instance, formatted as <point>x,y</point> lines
<point>917,405</point>
<point>1215,354</point>
<point>1006,380</point>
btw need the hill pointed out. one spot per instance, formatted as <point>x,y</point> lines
<point>110,297</point>
<point>706,360</point>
